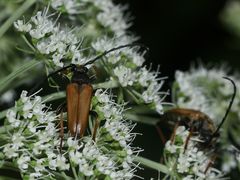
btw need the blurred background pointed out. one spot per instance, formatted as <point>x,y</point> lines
<point>179,34</point>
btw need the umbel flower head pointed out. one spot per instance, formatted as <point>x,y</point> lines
<point>205,90</point>
<point>34,143</point>
<point>189,162</point>
<point>62,46</point>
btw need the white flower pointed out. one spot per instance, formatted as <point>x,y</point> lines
<point>105,165</point>
<point>75,156</point>
<point>23,162</point>
<point>42,25</point>
<point>17,139</point>
<point>104,44</point>
<point>90,151</point>
<point>112,16</point>
<point>86,169</point>
<point>183,163</point>
<point>73,143</point>
<point>11,117</point>
<point>191,162</point>
<point>71,6</point>
<point>40,167</point>
<point>125,75</point>
<point>10,151</point>
<point>102,96</point>
<point>27,109</point>
<point>201,83</point>
<point>32,127</point>
<point>170,147</point>
<point>61,163</point>
<point>51,159</point>
<point>23,97</point>
<point>20,26</point>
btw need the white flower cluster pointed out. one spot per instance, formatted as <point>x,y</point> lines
<point>116,135</point>
<point>34,142</point>
<point>111,16</point>
<point>191,163</point>
<point>91,160</point>
<point>68,6</point>
<point>61,45</point>
<point>126,64</point>
<point>33,137</point>
<point>205,90</point>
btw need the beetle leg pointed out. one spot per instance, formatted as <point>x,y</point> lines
<point>188,138</point>
<point>210,163</point>
<point>96,125</point>
<point>172,139</point>
<point>60,110</point>
<point>161,135</point>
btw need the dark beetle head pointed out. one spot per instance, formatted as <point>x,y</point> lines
<point>80,75</point>
<point>79,69</point>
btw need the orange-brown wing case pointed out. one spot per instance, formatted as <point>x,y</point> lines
<point>72,105</point>
<point>84,103</point>
<point>78,106</point>
<point>193,115</point>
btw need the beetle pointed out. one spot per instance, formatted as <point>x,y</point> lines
<point>198,122</point>
<point>78,94</point>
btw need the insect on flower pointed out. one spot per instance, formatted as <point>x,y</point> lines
<point>79,93</point>
<point>197,122</point>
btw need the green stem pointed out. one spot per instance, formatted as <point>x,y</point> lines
<point>106,85</point>
<point>54,96</point>
<point>74,171</point>
<point>15,16</point>
<point>151,164</point>
<point>142,119</point>
<point>5,82</point>
<point>28,43</point>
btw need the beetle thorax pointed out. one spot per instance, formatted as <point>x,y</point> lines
<point>80,76</point>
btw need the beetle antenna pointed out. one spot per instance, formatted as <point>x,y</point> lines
<point>60,70</point>
<point>229,106</point>
<point>49,75</point>
<point>114,49</point>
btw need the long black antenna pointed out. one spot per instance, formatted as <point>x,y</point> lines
<point>229,106</point>
<point>114,49</point>
<point>89,62</point>
<point>49,75</point>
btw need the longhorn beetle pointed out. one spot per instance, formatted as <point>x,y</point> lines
<point>198,122</point>
<point>79,93</point>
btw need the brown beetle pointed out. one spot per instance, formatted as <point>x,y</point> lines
<point>198,122</point>
<point>79,93</point>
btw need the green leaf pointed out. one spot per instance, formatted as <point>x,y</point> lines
<point>151,164</point>
<point>6,82</point>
